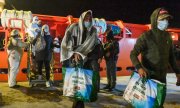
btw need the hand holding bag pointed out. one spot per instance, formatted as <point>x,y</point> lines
<point>79,84</point>
<point>144,93</point>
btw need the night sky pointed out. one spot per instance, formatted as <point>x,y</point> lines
<point>130,11</point>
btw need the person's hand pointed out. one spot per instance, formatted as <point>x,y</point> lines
<point>178,79</point>
<point>77,57</point>
<point>142,72</point>
<point>99,60</point>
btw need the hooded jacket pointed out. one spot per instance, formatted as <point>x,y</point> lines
<point>73,41</point>
<point>156,49</point>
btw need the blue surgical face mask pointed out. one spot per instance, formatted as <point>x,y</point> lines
<point>87,24</point>
<point>46,30</point>
<point>162,24</point>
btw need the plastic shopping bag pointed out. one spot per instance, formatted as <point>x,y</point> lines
<point>79,84</point>
<point>144,93</point>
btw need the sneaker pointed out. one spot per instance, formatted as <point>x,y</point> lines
<point>48,84</point>
<point>177,83</point>
<point>39,77</point>
<point>15,86</point>
<point>106,87</point>
<point>111,89</point>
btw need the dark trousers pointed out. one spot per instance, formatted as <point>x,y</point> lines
<point>111,72</point>
<point>78,104</point>
<point>47,68</point>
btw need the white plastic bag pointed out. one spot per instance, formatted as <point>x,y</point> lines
<point>143,93</point>
<point>79,84</point>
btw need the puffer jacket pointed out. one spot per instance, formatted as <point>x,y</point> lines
<point>156,49</point>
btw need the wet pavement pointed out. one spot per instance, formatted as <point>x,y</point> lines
<point>42,97</point>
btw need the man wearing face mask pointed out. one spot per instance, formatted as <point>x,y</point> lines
<point>80,43</point>
<point>44,56</point>
<point>15,52</point>
<point>156,49</point>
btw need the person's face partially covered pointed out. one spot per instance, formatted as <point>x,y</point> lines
<point>162,24</point>
<point>87,20</point>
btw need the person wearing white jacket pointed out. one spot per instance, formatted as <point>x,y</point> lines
<point>15,53</point>
<point>33,27</point>
<point>33,31</point>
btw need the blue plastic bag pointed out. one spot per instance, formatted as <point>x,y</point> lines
<point>144,93</point>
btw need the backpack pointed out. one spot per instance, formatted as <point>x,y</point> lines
<point>40,44</point>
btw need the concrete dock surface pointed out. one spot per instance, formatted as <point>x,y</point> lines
<point>42,97</point>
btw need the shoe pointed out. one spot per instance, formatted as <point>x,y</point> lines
<point>48,84</point>
<point>15,86</point>
<point>39,77</point>
<point>177,83</point>
<point>111,88</point>
<point>106,87</point>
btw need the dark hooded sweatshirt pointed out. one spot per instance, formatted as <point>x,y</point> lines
<point>156,49</point>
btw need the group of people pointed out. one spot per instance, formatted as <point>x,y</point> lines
<point>155,47</point>
<point>81,44</point>
<point>15,45</point>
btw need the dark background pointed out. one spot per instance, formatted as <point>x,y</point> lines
<point>130,11</point>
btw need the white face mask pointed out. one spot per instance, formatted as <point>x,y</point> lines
<point>87,24</point>
<point>46,30</point>
<point>162,24</point>
<point>36,22</point>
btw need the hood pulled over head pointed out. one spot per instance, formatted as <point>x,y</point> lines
<point>82,17</point>
<point>158,14</point>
